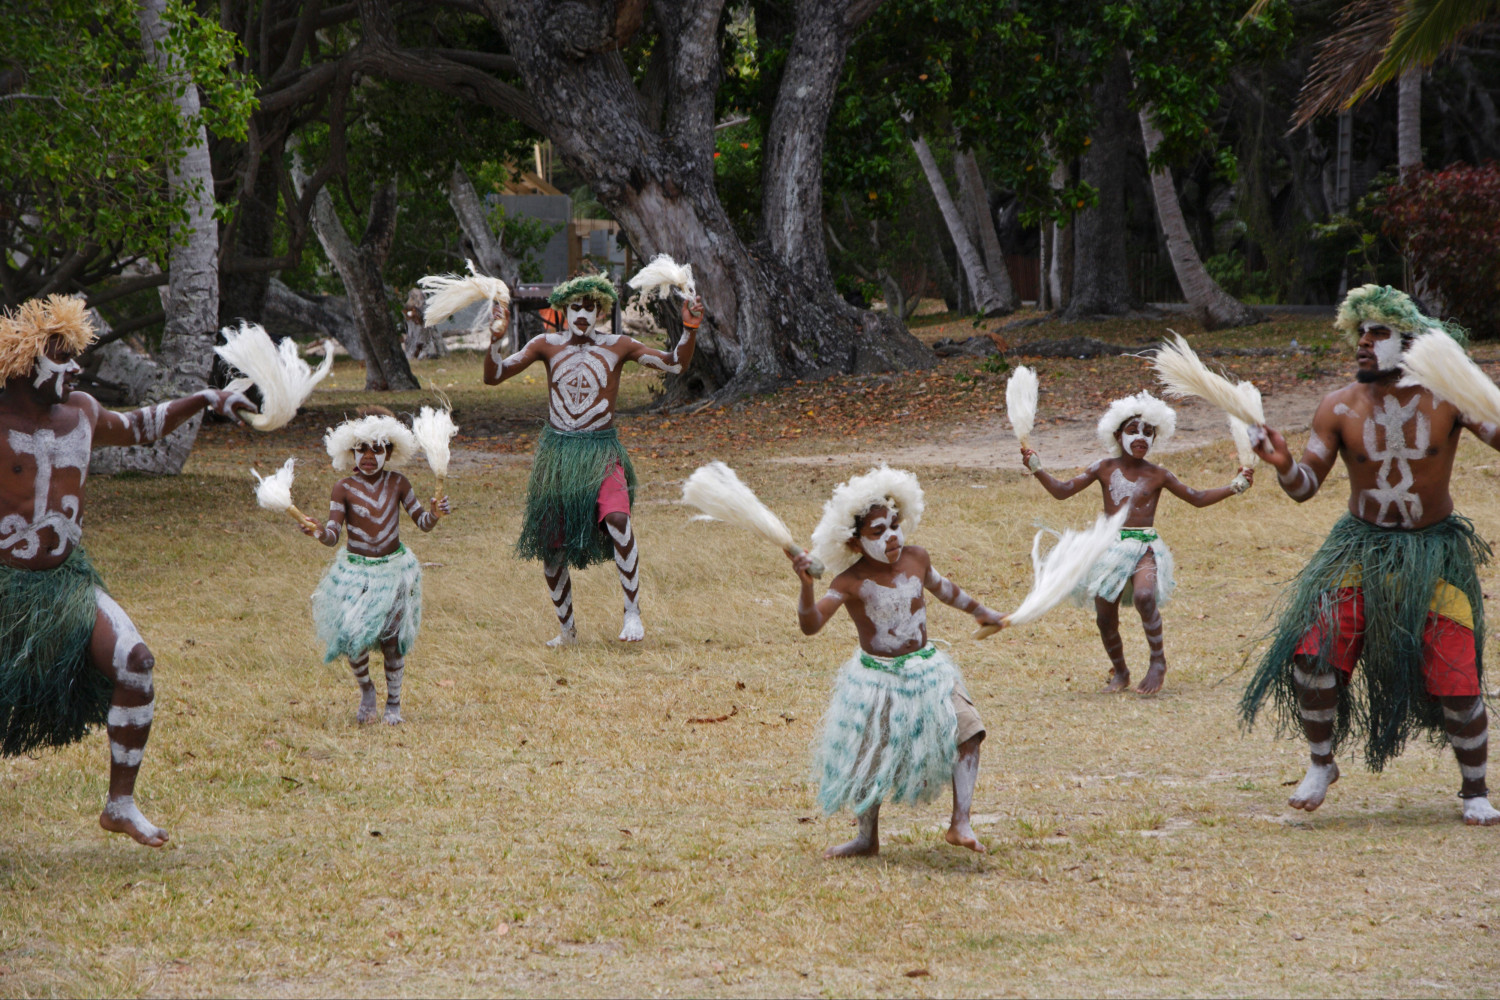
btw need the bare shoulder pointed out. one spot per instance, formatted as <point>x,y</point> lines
<point>1101,466</point>
<point>83,402</point>
<point>919,556</point>
<point>400,481</point>
<point>847,583</point>
<point>1351,396</point>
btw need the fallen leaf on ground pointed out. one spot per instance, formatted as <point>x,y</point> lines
<point>733,711</point>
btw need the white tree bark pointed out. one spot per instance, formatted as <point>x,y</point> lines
<point>192,297</point>
<point>987,301</point>
<point>982,223</point>
<point>324,313</point>
<point>1409,122</point>
<point>490,254</point>
<point>1216,308</point>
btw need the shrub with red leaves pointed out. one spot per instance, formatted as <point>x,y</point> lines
<point>1448,223</point>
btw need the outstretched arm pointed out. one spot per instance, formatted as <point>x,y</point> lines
<point>953,595</point>
<point>152,423</point>
<point>497,369</point>
<point>674,362</point>
<point>1301,480</point>
<point>422,518</point>
<point>1058,488</point>
<point>813,615</point>
<point>329,533</point>
<point>1484,430</point>
<point>1205,498</point>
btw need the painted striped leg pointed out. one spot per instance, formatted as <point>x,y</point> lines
<point>360,665</point>
<point>395,667</point>
<point>1107,616</point>
<point>627,561</point>
<point>1317,703</point>
<point>118,652</point>
<point>1468,727</point>
<point>560,587</point>
<point>1144,587</point>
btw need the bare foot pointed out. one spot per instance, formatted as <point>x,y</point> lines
<point>393,716</point>
<point>1479,812</point>
<point>859,847</point>
<point>1119,680</point>
<point>121,816</point>
<point>962,835</point>
<point>367,711</point>
<point>567,637</point>
<point>633,630</point>
<point>1153,679</point>
<point>1314,788</point>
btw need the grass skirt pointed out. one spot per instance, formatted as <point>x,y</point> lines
<point>1387,701</point>
<point>889,732</point>
<point>1113,575</point>
<point>562,498</point>
<point>361,603</point>
<point>50,694</point>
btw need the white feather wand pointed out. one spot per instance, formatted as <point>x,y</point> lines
<point>1061,570</point>
<point>663,276</point>
<point>1020,407</point>
<point>1183,374</point>
<point>283,378</point>
<point>1240,431</point>
<point>434,428</point>
<point>715,490</point>
<point>1436,362</point>
<point>448,293</point>
<point>274,492</point>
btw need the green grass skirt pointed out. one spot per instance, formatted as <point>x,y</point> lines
<point>562,498</point>
<point>362,602</point>
<point>1386,702</point>
<point>50,694</point>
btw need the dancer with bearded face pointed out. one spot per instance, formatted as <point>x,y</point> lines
<point>1393,589</point>
<point>1138,568</point>
<point>70,657</point>
<point>371,596</point>
<point>582,484</point>
<point>900,726</point>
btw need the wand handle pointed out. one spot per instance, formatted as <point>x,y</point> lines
<point>297,515</point>
<point>816,569</point>
<point>440,495</point>
<point>985,631</point>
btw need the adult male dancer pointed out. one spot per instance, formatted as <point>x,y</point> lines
<point>70,658</point>
<point>1394,587</point>
<point>581,477</point>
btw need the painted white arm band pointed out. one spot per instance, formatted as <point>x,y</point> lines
<point>1300,483</point>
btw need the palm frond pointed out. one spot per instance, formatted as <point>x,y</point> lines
<point>1426,30</point>
<point>1346,58</point>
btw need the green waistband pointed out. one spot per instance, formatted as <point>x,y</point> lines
<point>375,560</point>
<point>607,434</point>
<point>1138,534</point>
<point>894,664</point>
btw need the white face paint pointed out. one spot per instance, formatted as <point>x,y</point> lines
<point>48,370</point>
<point>380,454</point>
<point>1134,430</point>
<point>1388,349</point>
<point>582,316</point>
<point>875,547</point>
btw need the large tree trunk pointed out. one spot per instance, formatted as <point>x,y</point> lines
<point>243,292</point>
<point>987,300</point>
<point>1101,281</point>
<point>192,299</point>
<point>982,225</point>
<point>324,313</point>
<point>422,341</point>
<point>1214,307</point>
<point>489,253</point>
<point>768,318</point>
<point>360,268</point>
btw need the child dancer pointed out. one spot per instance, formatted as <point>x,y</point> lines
<point>901,724</point>
<point>372,594</point>
<point>1139,566</point>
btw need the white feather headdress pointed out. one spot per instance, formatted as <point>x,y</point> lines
<point>448,293</point>
<point>343,440</point>
<point>894,488</point>
<point>660,277</point>
<point>1144,405</point>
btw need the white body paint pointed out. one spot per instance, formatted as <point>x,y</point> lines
<point>123,809</point>
<point>1316,448</point>
<point>1121,489</point>
<point>70,451</point>
<point>1479,811</point>
<point>1394,502</point>
<point>579,375</point>
<point>889,608</point>
<point>1314,787</point>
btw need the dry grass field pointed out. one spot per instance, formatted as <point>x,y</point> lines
<point>556,824</point>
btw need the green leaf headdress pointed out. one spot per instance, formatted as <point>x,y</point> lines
<point>1390,307</point>
<point>584,286</point>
